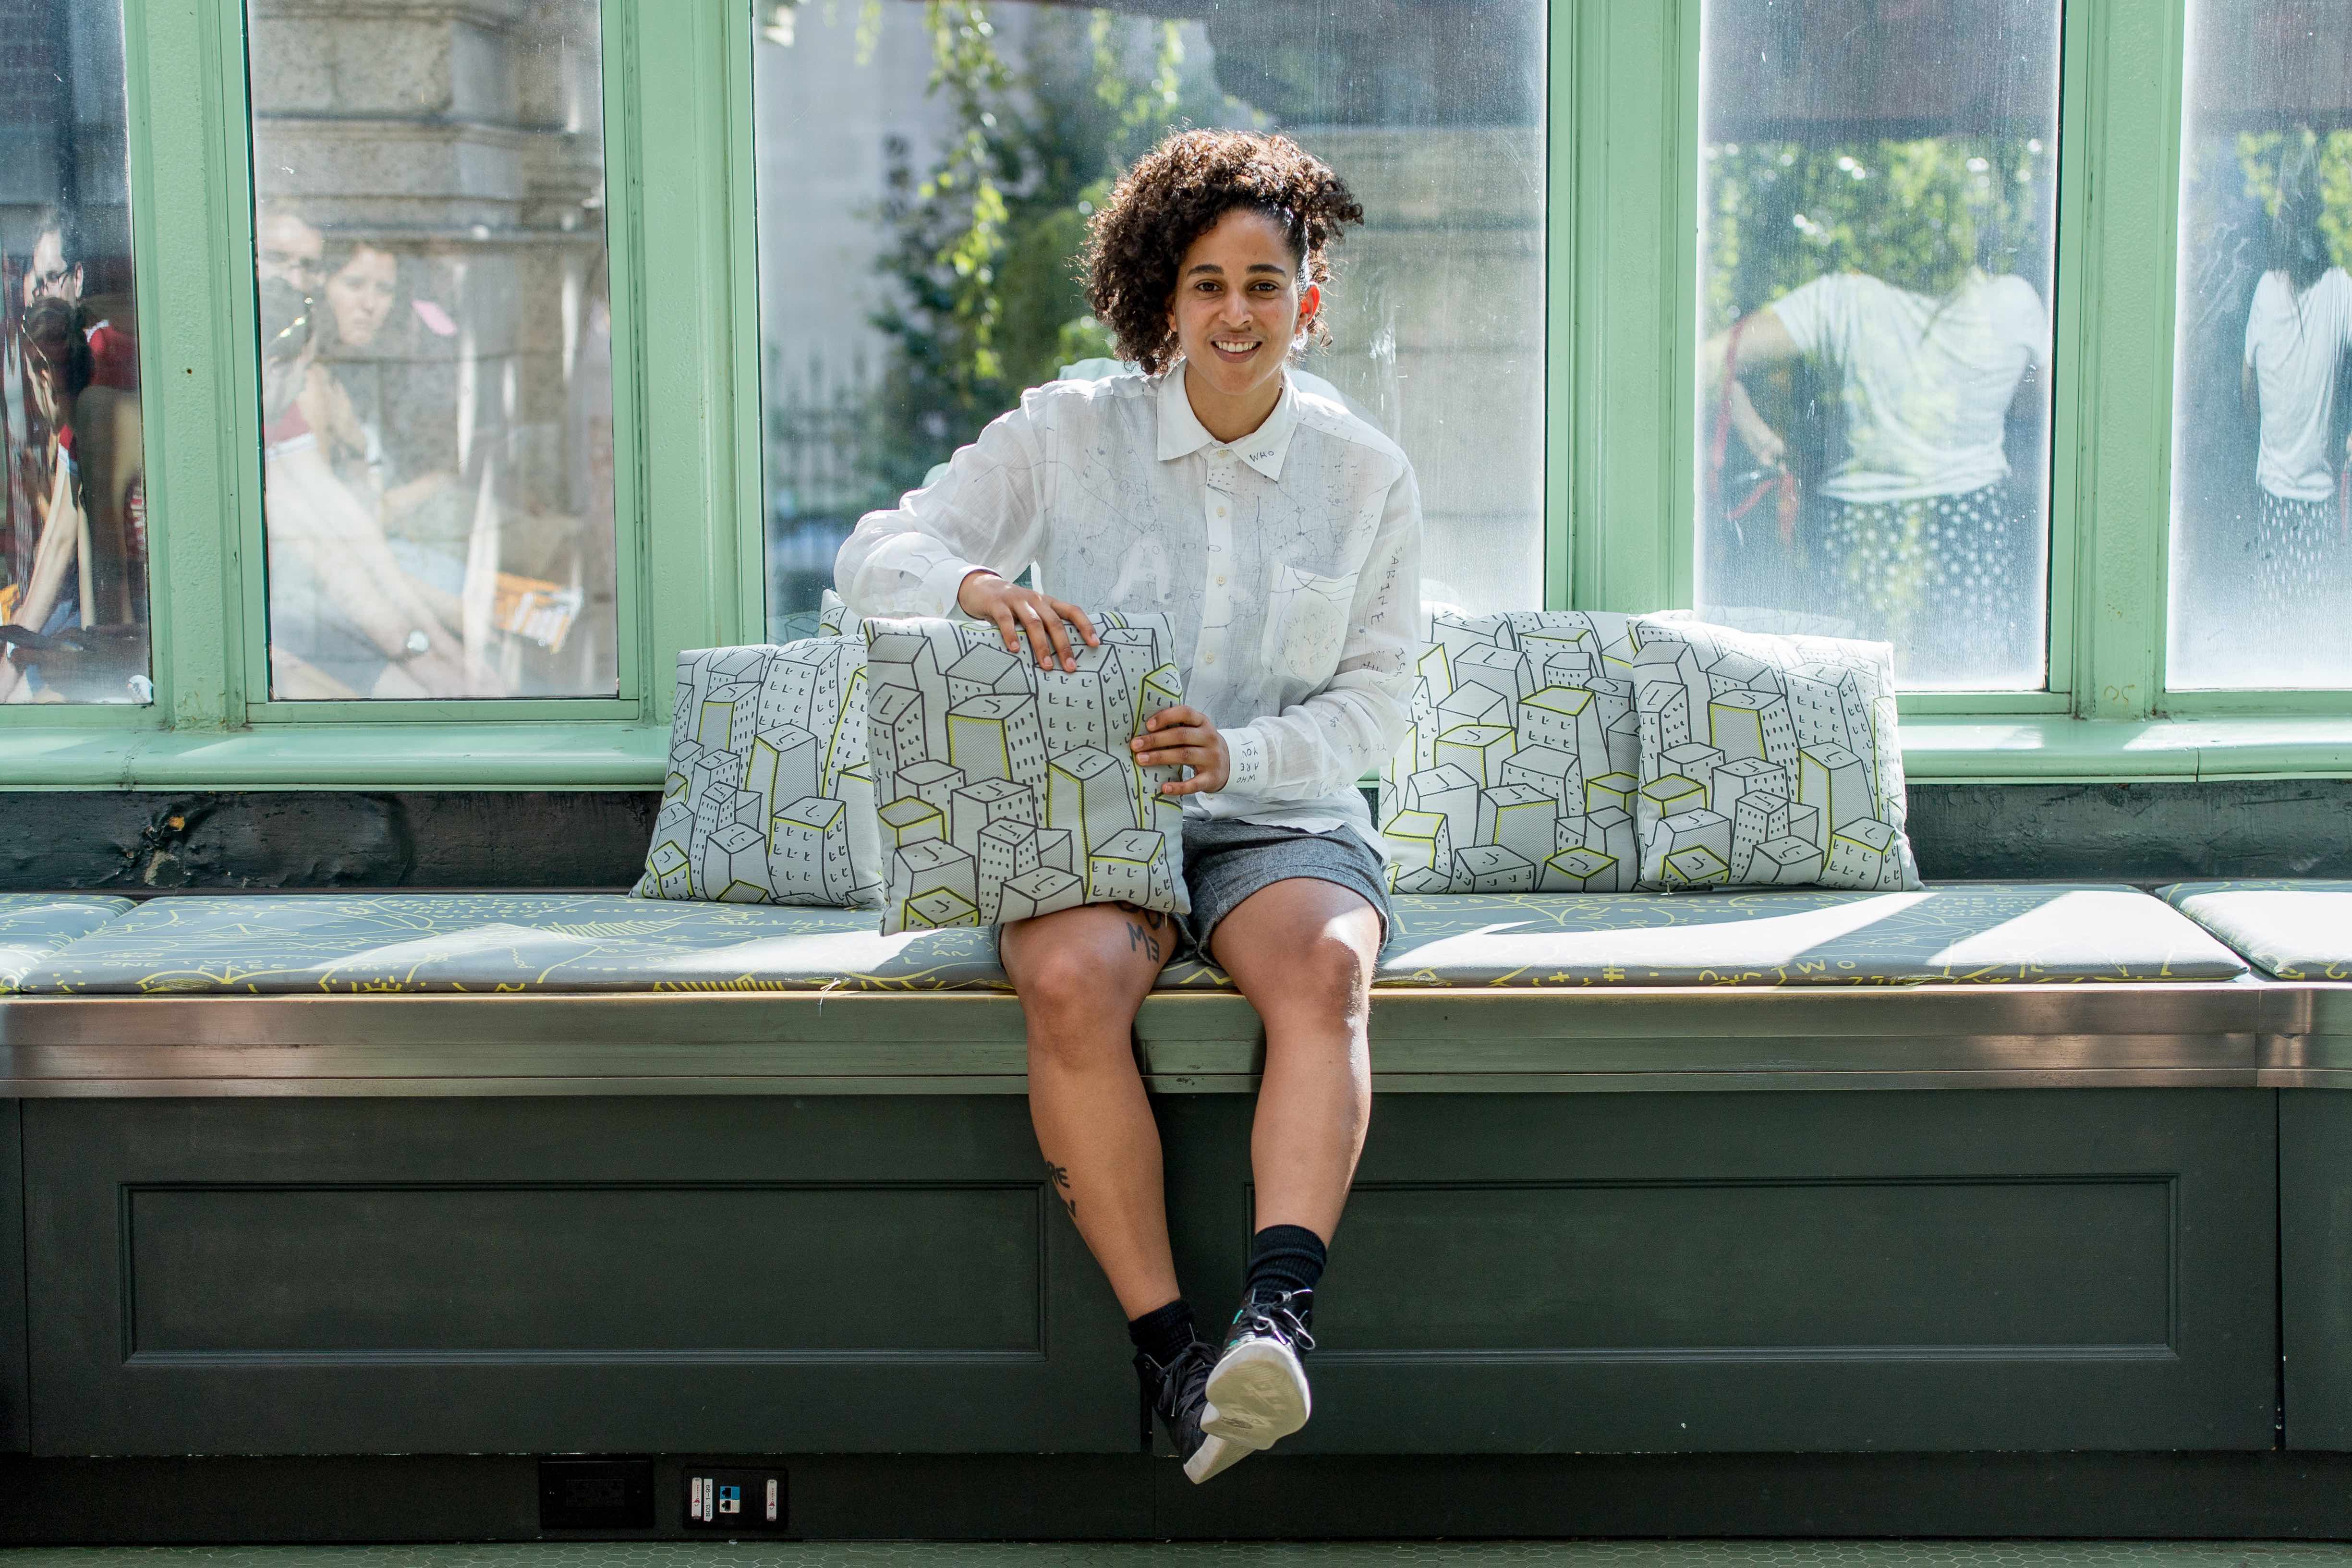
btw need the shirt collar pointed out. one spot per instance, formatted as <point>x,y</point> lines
<point>1181,432</point>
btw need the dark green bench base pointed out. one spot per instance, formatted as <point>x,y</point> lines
<point>2018,1269</point>
<point>1029,1498</point>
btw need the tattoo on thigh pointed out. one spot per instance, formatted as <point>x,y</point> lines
<point>1138,937</point>
<point>1060,1176</point>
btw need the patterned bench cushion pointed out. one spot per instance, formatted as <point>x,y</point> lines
<point>2014,933</point>
<point>2296,931</point>
<point>35,925</point>
<point>310,943</point>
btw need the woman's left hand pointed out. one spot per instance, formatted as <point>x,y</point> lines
<point>1183,737</point>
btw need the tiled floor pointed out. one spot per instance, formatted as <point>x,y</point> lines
<point>1442,1554</point>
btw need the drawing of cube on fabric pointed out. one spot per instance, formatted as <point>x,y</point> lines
<point>1007,791</point>
<point>1765,760</point>
<point>1521,746</point>
<point>767,798</point>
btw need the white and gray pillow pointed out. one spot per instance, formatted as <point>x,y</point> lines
<point>1007,790</point>
<point>768,798</point>
<point>1767,761</point>
<point>1520,768</point>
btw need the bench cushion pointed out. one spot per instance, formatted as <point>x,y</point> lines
<point>2032,932</point>
<point>35,925</point>
<point>2294,929</point>
<point>538,941</point>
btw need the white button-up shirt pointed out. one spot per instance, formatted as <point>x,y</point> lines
<point>1288,563</point>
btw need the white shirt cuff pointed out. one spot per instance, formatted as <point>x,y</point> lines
<point>1245,756</point>
<point>944,581</point>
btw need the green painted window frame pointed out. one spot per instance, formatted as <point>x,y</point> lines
<point>1619,449</point>
<point>1626,151</point>
<point>686,418</point>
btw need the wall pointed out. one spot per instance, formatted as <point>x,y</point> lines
<point>135,841</point>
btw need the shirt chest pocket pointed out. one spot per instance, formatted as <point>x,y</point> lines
<point>1306,623</point>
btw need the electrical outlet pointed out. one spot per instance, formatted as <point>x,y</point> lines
<point>749,1501</point>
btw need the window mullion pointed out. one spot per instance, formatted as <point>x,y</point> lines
<point>686,244</point>
<point>2120,385</point>
<point>1562,98</point>
<point>186,86</point>
<point>1636,128</point>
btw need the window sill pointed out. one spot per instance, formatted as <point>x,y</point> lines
<point>2051,750</point>
<point>2027,749</point>
<point>422,756</point>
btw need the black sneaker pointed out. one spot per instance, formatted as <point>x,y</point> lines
<point>1257,1392</point>
<point>1174,1393</point>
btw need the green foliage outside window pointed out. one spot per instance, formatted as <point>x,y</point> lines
<point>2322,161</point>
<point>1918,214</point>
<point>982,242</point>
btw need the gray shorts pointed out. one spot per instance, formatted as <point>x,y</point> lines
<point>1225,861</point>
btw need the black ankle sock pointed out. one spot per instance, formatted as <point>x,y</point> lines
<point>1283,1258</point>
<point>1164,1331</point>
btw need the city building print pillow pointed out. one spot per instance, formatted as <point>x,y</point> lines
<point>768,798</point>
<point>1518,771</point>
<point>832,609</point>
<point>1008,791</point>
<point>1767,761</point>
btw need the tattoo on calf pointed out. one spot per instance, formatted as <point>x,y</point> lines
<point>1060,1176</point>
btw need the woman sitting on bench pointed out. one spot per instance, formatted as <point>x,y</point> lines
<point>1281,536</point>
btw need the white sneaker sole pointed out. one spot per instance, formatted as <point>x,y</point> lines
<point>1213,1457</point>
<point>1257,1395</point>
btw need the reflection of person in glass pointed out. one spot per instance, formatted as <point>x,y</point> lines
<point>1920,525</point>
<point>2296,332</point>
<point>59,271</point>
<point>343,397</point>
<point>86,567</point>
<point>287,247</point>
<point>345,619</point>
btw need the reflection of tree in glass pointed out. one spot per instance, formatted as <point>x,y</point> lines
<point>2273,159</point>
<point>983,241</point>
<point>1916,214</point>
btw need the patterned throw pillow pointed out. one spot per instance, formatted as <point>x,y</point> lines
<point>832,609</point>
<point>1518,772</point>
<point>769,799</point>
<point>1768,761</point>
<point>1008,791</point>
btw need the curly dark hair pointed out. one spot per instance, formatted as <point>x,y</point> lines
<point>1177,193</point>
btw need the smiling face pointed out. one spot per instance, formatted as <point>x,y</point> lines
<point>359,294</point>
<point>1238,311</point>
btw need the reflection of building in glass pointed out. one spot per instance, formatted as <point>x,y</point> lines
<point>431,178</point>
<point>1431,109</point>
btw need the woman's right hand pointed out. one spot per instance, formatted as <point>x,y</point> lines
<point>1018,612</point>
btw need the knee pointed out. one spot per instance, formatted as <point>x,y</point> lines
<point>1072,999</point>
<point>1326,980</point>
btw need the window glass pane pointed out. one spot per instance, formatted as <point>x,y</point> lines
<point>437,348</point>
<point>896,325</point>
<point>2261,511</point>
<point>1877,206</point>
<point>73,520</point>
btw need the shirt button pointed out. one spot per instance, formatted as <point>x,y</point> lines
<point>1211,659</point>
<point>1220,581</point>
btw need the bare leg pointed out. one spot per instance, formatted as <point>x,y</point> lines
<point>1302,952</point>
<point>1081,973</point>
